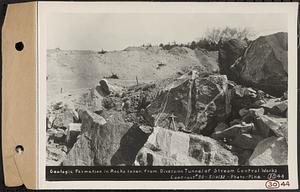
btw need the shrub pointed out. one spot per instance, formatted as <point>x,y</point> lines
<point>112,76</point>
<point>102,52</point>
<point>210,41</point>
<point>217,34</point>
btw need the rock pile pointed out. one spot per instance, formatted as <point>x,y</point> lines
<point>195,119</point>
<point>236,116</point>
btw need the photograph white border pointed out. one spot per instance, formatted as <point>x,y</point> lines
<point>47,8</point>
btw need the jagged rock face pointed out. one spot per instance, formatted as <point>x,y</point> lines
<point>55,154</point>
<point>81,153</point>
<point>229,52</point>
<point>270,151</point>
<point>166,147</point>
<point>195,103</point>
<point>106,142</point>
<point>265,64</point>
<point>99,140</point>
<point>211,103</point>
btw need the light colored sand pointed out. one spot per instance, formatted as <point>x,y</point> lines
<point>72,70</point>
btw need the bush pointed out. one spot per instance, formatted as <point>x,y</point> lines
<point>216,34</point>
<point>112,76</point>
<point>102,52</point>
<point>213,36</point>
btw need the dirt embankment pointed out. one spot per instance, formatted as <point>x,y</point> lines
<point>68,70</point>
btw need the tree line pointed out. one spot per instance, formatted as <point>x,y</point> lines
<point>212,38</point>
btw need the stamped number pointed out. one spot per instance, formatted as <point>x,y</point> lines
<point>273,184</point>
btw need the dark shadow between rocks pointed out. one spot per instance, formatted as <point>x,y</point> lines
<point>130,144</point>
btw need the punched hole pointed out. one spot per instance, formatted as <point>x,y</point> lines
<point>19,46</point>
<point>19,149</point>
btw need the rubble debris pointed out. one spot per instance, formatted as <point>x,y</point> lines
<point>270,151</point>
<point>55,154</point>
<point>56,135</point>
<point>197,120</point>
<point>62,119</point>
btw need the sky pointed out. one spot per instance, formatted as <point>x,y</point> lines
<point>116,31</point>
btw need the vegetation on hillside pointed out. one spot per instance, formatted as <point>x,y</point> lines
<point>213,37</point>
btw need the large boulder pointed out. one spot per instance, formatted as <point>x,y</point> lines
<point>105,88</point>
<point>264,64</point>
<point>81,153</point>
<point>166,147</point>
<point>229,52</point>
<point>192,102</point>
<point>107,140</point>
<point>270,151</point>
<point>99,139</point>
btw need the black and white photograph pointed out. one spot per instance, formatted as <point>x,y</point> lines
<point>167,89</point>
